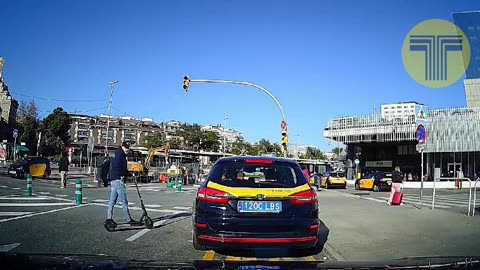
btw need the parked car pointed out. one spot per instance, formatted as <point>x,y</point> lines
<point>35,166</point>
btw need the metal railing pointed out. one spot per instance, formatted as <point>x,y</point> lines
<point>475,195</point>
<point>453,178</point>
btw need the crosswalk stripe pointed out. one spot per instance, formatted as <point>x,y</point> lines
<point>13,214</point>
<point>153,205</point>
<point>182,207</point>
<point>24,198</point>
<point>33,204</point>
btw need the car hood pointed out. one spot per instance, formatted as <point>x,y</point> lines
<point>75,261</point>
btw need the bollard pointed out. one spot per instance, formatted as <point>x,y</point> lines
<point>179,184</point>
<point>78,191</point>
<point>29,185</point>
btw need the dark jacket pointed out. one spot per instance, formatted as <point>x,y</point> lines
<point>105,169</point>
<point>63,165</point>
<point>118,167</point>
<point>396,177</point>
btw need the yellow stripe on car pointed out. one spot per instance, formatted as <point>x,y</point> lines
<point>252,192</point>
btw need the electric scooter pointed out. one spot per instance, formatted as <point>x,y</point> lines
<point>110,225</point>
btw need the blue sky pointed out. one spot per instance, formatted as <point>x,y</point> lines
<point>321,59</point>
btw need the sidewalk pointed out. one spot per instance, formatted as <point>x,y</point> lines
<point>427,184</point>
<point>395,231</point>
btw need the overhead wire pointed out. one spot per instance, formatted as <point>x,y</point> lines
<point>59,100</point>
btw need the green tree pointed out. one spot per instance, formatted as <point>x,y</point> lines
<point>192,136</point>
<point>313,153</point>
<point>27,118</point>
<point>153,140</point>
<point>175,143</point>
<point>240,147</point>
<point>55,134</point>
<point>210,141</point>
<point>266,147</point>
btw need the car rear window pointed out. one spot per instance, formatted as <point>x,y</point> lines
<point>338,175</point>
<point>239,174</point>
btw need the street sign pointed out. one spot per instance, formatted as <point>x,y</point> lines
<point>357,161</point>
<point>283,125</point>
<point>15,133</point>
<point>421,134</point>
<point>420,147</point>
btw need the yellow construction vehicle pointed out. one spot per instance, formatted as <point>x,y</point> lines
<point>141,170</point>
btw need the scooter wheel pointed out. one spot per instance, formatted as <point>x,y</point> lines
<point>110,225</point>
<point>148,223</point>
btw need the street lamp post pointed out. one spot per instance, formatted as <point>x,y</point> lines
<point>225,137</point>
<point>112,87</point>
<point>187,81</point>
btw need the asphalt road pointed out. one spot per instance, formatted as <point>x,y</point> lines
<point>352,228</point>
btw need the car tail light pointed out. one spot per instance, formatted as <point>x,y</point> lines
<point>200,226</point>
<point>304,197</point>
<point>314,227</point>
<point>206,194</point>
<point>258,161</point>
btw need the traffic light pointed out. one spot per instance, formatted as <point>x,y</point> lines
<point>186,82</point>
<point>284,141</point>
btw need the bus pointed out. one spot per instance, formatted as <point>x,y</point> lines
<point>318,167</point>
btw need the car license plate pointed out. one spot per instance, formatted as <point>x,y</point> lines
<point>259,207</point>
<point>12,172</point>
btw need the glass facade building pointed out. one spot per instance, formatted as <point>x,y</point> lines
<point>469,23</point>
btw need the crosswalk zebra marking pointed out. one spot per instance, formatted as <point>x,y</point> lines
<point>10,214</point>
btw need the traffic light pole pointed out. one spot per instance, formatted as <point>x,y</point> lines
<point>251,85</point>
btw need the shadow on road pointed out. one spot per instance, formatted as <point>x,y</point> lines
<point>168,219</point>
<point>287,253</point>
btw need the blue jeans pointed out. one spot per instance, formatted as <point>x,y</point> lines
<point>118,191</point>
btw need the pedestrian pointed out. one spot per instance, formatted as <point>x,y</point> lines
<point>98,171</point>
<point>105,171</point>
<point>118,178</point>
<point>396,183</point>
<point>305,172</point>
<point>63,169</point>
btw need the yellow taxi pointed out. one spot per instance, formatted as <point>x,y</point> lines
<point>334,179</point>
<point>375,181</point>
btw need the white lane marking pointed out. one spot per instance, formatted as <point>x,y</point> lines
<point>153,205</point>
<point>13,214</point>
<point>182,207</point>
<point>144,231</point>
<point>33,204</point>
<point>61,195</point>
<point>44,193</point>
<point>99,200</point>
<point>16,188</point>
<point>2,186</point>
<point>24,198</point>
<point>42,213</point>
<point>7,248</point>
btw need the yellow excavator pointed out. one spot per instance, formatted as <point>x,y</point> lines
<point>141,170</point>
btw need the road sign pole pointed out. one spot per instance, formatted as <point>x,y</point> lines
<point>421,182</point>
